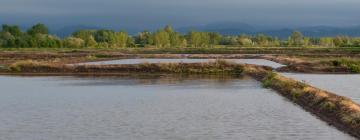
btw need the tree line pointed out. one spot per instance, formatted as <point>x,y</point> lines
<point>11,36</point>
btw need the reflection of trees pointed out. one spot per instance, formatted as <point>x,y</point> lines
<point>159,79</point>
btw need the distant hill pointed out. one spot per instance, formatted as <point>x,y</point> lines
<point>232,28</point>
<point>225,28</point>
<point>316,31</point>
<point>236,28</point>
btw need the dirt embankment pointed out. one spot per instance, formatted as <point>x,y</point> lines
<point>300,68</point>
<point>216,67</point>
<point>338,111</point>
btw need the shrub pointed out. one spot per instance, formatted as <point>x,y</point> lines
<point>18,66</point>
<point>267,81</point>
<point>328,106</point>
<point>296,93</point>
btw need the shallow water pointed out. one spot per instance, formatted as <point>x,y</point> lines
<point>341,84</point>
<point>151,108</point>
<point>138,61</point>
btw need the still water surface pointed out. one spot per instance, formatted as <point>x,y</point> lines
<point>138,61</point>
<point>342,84</point>
<point>151,108</point>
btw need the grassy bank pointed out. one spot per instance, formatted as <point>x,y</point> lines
<point>216,67</point>
<point>325,65</point>
<point>336,110</point>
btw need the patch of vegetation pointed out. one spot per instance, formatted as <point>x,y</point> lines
<point>296,93</point>
<point>218,66</point>
<point>34,66</point>
<point>336,108</point>
<point>11,36</point>
<point>329,106</point>
<point>102,56</point>
<point>268,80</point>
<point>18,66</point>
<point>353,65</point>
<point>91,57</point>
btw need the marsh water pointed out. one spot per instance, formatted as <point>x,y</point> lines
<point>347,85</point>
<point>153,60</point>
<point>152,108</point>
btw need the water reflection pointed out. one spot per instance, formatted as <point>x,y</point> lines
<point>153,60</point>
<point>153,108</point>
<point>154,79</point>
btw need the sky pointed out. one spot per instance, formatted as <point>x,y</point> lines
<point>179,13</point>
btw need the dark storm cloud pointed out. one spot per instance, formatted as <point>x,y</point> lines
<point>154,13</point>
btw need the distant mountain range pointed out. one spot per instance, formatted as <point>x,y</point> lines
<point>235,28</point>
<point>317,31</point>
<point>241,28</point>
<point>225,28</point>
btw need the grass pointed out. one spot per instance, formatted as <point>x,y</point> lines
<point>30,65</point>
<point>26,64</point>
<point>216,67</point>
<point>353,65</point>
<point>338,110</point>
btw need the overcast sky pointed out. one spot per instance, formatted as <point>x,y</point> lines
<point>155,13</point>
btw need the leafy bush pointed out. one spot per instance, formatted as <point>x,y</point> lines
<point>352,65</point>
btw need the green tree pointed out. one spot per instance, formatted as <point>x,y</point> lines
<point>48,41</point>
<point>13,30</point>
<point>215,38</point>
<point>261,40</point>
<point>175,38</point>
<point>296,39</point>
<point>107,36</point>
<point>342,41</point>
<point>73,42</point>
<point>38,29</point>
<point>306,41</point>
<point>90,41</point>
<point>87,36</point>
<point>326,42</point>
<point>198,39</point>
<point>168,29</point>
<point>229,40</point>
<point>7,39</point>
<point>356,42</point>
<point>130,42</point>
<point>144,38</point>
<point>245,41</point>
<point>162,38</point>
<point>120,39</point>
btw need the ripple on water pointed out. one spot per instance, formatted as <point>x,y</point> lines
<point>151,108</point>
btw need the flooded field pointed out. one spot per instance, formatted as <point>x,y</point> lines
<point>138,61</point>
<point>341,84</point>
<point>151,108</point>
